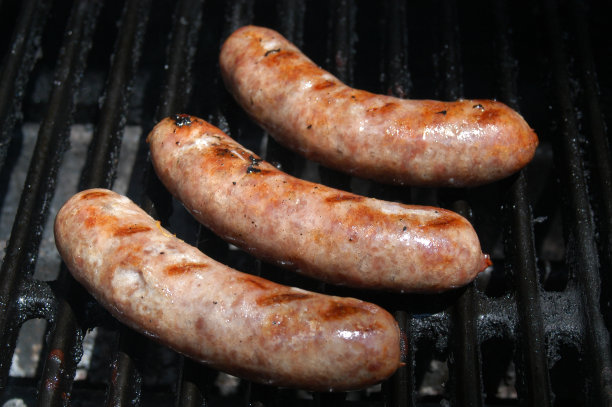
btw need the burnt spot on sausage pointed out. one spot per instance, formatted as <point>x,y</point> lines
<point>271,51</point>
<point>309,126</point>
<point>130,230</point>
<point>343,197</point>
<point>282,54</point>
<point>181,120</point>
<point>222,151</point>
<point>254,164</point>
<point>94,195</point>
<point>281,298</point>
<point>324,85</point>
<point>177,269</point>
<point>489,116</point>
<point>384,109</point>
<point>442,112</point>
<point>478,106</point>
<point>338,310</point>
<point>443,221</point>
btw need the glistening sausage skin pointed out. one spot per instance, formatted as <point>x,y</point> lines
<point>236,322</point>
<point>392,140</point>
<point>323,232</point>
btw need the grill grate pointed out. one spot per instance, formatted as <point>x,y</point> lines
<point>541,313</point>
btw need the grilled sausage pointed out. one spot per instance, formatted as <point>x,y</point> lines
<point>236,322</point>
<point>391,140</point>
<point>326,233</point>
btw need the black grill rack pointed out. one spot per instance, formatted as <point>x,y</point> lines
<point>532,330</point>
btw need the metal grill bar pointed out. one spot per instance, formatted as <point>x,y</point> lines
<point>465,361</point>
<point>599,146</point>
<point>395,43</point>
<point>103,154</point>
<point>581,240</point>
<point>66,336</point>
<point>520,242</point>
<point>16,68</point>
<point>23,245</point>
<point>125,385</point>
<point>291,20</point>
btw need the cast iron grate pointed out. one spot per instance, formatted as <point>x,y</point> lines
<point>532,330</point>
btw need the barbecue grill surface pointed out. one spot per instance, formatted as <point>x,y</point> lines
<point>81,85</point>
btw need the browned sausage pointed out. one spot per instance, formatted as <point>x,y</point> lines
<point>326,233</point>
<point>392,140</point>
<point>236,322</point>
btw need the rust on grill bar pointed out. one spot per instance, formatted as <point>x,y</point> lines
<point>533,329</point>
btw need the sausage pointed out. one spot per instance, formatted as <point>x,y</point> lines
<point>391,140</point>
<point>233,321</point>
<point>332,235</point>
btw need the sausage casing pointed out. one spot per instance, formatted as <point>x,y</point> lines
<point>332,235</point>
<point>391,140</point>
<point>236,322</point>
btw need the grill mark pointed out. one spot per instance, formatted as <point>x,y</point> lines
<point>93,195</point>
<point>251,170</point>
<point>257,282</point>
<point>130,230</point>
<point>343,197</point>
<point>339,311</point>
<point>324,85</point>
<point>95,217</point>
<point>443,222</point>
<point>281,298</point>
<point>387,107</point>
<point>489,116</point>
<point>177,269</point>
<point>282,54</point>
